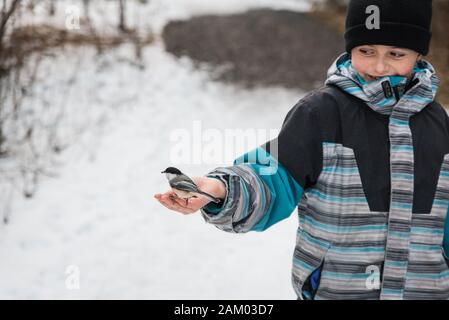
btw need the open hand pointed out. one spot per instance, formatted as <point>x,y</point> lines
<point>210,185</point>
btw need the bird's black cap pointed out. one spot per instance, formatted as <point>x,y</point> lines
<point>172,170</point>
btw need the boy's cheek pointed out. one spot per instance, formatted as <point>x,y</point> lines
<point>359,66</point>
<point>405,72</point>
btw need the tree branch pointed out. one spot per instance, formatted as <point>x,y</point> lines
<point>5,17</point>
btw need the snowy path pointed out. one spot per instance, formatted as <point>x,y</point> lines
<point>100,215</point>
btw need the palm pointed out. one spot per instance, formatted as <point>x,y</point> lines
<point>171,201</point>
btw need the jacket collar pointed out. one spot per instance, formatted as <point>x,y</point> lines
<point>384,94</point>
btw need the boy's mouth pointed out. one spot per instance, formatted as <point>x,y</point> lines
<point>371,78</point>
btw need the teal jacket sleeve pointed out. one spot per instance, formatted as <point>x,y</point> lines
<point>260,193</point>
<point>266,184</point>
<point>285,192</point>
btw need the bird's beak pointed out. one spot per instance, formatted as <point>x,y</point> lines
<point>162,171</point>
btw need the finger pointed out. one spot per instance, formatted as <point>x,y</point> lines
<point>168,194</point>
<point>194,204</point>
<point>173,205</point>
<point>166,200</point>
<point>180,202</point>
<point>160,195</point>
<point>169,198</point>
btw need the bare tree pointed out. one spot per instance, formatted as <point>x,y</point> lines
<point>122,13</point>
<point>7,13</point>
<point>52,8</point>
<point>86,6</point>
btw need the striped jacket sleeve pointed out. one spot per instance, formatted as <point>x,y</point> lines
<point>446,237</point>
<point>446,225</point>
<point>256,198</point>
<point>261,189</point>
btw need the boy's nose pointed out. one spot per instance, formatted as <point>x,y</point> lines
<point>381,68</point>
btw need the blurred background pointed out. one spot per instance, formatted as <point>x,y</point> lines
<point>98,97</point>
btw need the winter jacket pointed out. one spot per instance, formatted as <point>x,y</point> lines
<point>367,166</point>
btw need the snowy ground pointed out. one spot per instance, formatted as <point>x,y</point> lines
<point>98,219</point>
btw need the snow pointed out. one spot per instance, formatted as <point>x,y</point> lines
<point>98,219</point>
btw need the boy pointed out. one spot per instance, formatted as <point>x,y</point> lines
<point>365,159</point>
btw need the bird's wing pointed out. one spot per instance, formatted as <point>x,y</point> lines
<point>185,185</point>
<point>183,177</point>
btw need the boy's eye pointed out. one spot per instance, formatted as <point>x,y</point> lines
<point>397,54</point>
<point>366,51</point>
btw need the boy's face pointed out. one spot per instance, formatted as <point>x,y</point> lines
<point>373,61</point>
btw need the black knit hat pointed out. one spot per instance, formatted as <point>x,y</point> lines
<point>403,23</point>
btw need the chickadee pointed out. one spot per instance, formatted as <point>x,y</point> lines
<point>183,186</point>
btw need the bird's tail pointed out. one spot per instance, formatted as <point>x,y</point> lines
<point>210,197</point>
